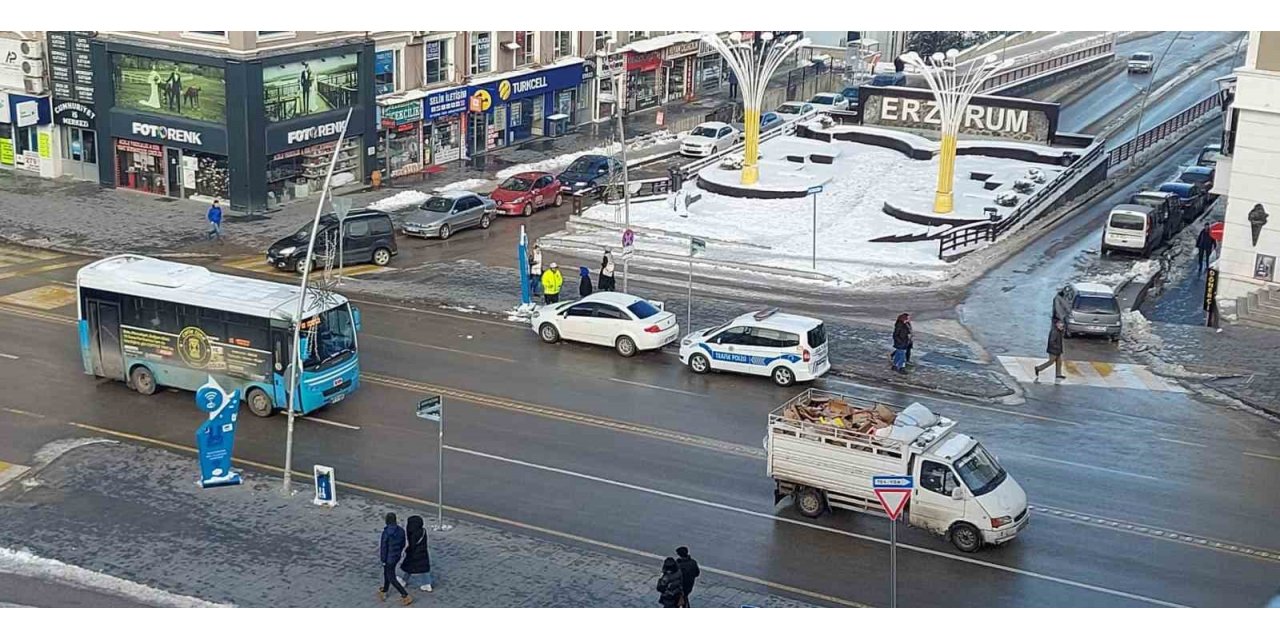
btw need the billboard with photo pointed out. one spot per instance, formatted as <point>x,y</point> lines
<point>169,87</point>
<point>309,87</point>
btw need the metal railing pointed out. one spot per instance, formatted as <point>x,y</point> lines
<point>1154,135</point>
<point>1032,66</point>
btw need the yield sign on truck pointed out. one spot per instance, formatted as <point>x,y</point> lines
<point>893,492</point>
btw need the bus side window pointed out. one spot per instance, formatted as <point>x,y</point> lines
<point>278,351</point>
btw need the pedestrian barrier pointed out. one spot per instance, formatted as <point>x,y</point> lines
<point>641,190</point>
<point>1172,125</point>
<point>1035,66</point>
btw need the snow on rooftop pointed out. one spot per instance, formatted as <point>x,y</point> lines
<point>660,42</point>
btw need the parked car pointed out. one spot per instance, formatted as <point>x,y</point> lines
<point>443,214</point>
<point>590,172</point>
<point>1088,308</point>
<point>1209,155</point>
<point>1141,62</point>
<point>1132,228</point>
<point>829,102</point>
<point>792,110</point>
<point>1193,198</point>
<point>785,347</point>
<point>1199,175</point>
<point>625,322</point>
<point>768,120</point>
<point>1167,206</point>
<point>708,139</point>
<point>524,193</point>
<point>368,236</point>
<point>878,80</point>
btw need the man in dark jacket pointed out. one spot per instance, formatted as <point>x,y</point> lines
<point>1204,247</point>
<point>1054,349</point>
<point>389,550</point>
<point>689,572</point>
<point>417,557</point>
<point>901,342</point>
<point>584,282</point>
<point>670,585</point>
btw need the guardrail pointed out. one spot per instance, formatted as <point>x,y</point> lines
<point>641,190</point>
<point>680,174</point>
<point>1170,126</point>
<point>958,240</point>
<point>1034,66</point>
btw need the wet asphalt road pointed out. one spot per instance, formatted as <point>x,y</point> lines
<point>642,454</point>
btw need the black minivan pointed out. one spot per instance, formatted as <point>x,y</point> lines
<point>368,236</point>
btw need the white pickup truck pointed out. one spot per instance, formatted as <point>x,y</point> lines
<point>961,491</point>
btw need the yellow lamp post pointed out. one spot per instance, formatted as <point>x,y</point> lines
<point>952,91</point>
<point>753,70</point>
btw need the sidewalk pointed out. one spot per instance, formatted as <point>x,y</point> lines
<point>148,522</point>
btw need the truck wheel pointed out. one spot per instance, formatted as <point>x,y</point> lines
<point>966,537</point>
<point>142,380</point>
<point>809,502</point>
<point>259,403</point>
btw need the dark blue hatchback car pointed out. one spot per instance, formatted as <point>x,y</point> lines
<point>589,172</point>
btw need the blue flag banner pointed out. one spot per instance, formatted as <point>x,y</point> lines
<point>522,264</point>
<point>216,437</point>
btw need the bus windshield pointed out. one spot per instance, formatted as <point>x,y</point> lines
<point>331,336</point>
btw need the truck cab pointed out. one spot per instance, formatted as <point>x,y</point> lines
<point>963,493</point>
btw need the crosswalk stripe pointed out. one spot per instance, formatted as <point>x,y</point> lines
<point>1112,375</point>
<point>42,268</point>
<point>27,253</point>
<point>260,265</point>
<point>46,297</point>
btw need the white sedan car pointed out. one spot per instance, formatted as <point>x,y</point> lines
<point>792,110</point>
<point>829,102</point>
<point>708,139</point>
<point>619,320</point>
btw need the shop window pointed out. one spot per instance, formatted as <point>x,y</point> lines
<point>438,65</point>
<point>528,52</point>
<point>385,66</point>
<point>480,52</point>
<point>565,43</point>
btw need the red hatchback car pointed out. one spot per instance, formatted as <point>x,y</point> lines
<point>524,193</point>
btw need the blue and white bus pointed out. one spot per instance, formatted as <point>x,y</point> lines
<point>154,323</point>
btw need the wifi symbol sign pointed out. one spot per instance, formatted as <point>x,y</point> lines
<point>209,399</point>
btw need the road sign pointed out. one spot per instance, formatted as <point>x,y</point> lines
<point>429,408</point>
<point>894,492</point>
<point>815,190</point>
<point>628,242</point>
<point>326,495</point>
<point>1215,232</point>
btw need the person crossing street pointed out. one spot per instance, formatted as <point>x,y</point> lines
<point>1054,349</point>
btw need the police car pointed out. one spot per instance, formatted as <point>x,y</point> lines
<point>782,346</point>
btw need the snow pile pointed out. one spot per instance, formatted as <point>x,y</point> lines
<point>1137,333</point>
<point>470,184</point>
<point>772,235</point>
<point>1137,272</point>
<point>400,201</point>
<point>24,563</point>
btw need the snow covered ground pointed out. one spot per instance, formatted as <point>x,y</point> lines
<point>777,235</point>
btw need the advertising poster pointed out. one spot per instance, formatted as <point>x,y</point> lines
<point>309,87</point>
<point>216,437</point>
<point>170,88</point>
<point>44,145</point>
<point>195,349</point>
<point>6,151</point>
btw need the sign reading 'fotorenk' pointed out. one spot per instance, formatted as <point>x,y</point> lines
<point>987,116</point>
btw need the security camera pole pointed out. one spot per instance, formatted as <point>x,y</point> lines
<point>295,366</point>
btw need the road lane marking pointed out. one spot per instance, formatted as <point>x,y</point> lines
<point>818,527</point>
<point>20,412</point>
<point>47,297</point>
<point>934,398</point>
<point>654,386</point>
<point>439,348</point>
<point>1119,375</point>
<point>1085,466</point>
<point>478,515</point>
<point>570,416</point>
<point>8,356</point>
<point>1189,444</point>
<point>1262,455</point>
<point>41,269</point>
<point>331,422</point>
<point>1159,533</point>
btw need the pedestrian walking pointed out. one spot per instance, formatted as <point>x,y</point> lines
<point>901,342</point>
<point>670,585</point>
<point>535,269</point>
<point>390,549</point>
<point>215,221</point>
<point>551,283</point>
<point>584,282</point>
<point>606,271</point>
<point>1204,249</point>
<point>417,556</point>
<point>689,572</point>
<point>1054,349</point>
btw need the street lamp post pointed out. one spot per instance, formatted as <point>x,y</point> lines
<point>622,142</point>
<point>952,92</point>
<point>753,71</point>
<point>1142,108</point>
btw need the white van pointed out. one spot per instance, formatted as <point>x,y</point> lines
<point>1132,228</point>
<point>785,347</point>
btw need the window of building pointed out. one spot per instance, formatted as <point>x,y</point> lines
<point>386,71</point>
<point>632,36</point>
<point>215,36</point>
<point>528,51</point>
<point>480,53</point>
<point>565,43</point>
<point>602,39</point>
<point>438,65</point>
<point>274,35</point>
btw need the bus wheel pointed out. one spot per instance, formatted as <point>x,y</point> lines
<point>259,403</point>
<point>142,380</point>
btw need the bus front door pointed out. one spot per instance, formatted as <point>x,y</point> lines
<point>104,318</point>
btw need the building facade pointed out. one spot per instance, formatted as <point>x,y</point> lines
<point>1248,174</point>
<point>27,133</point>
